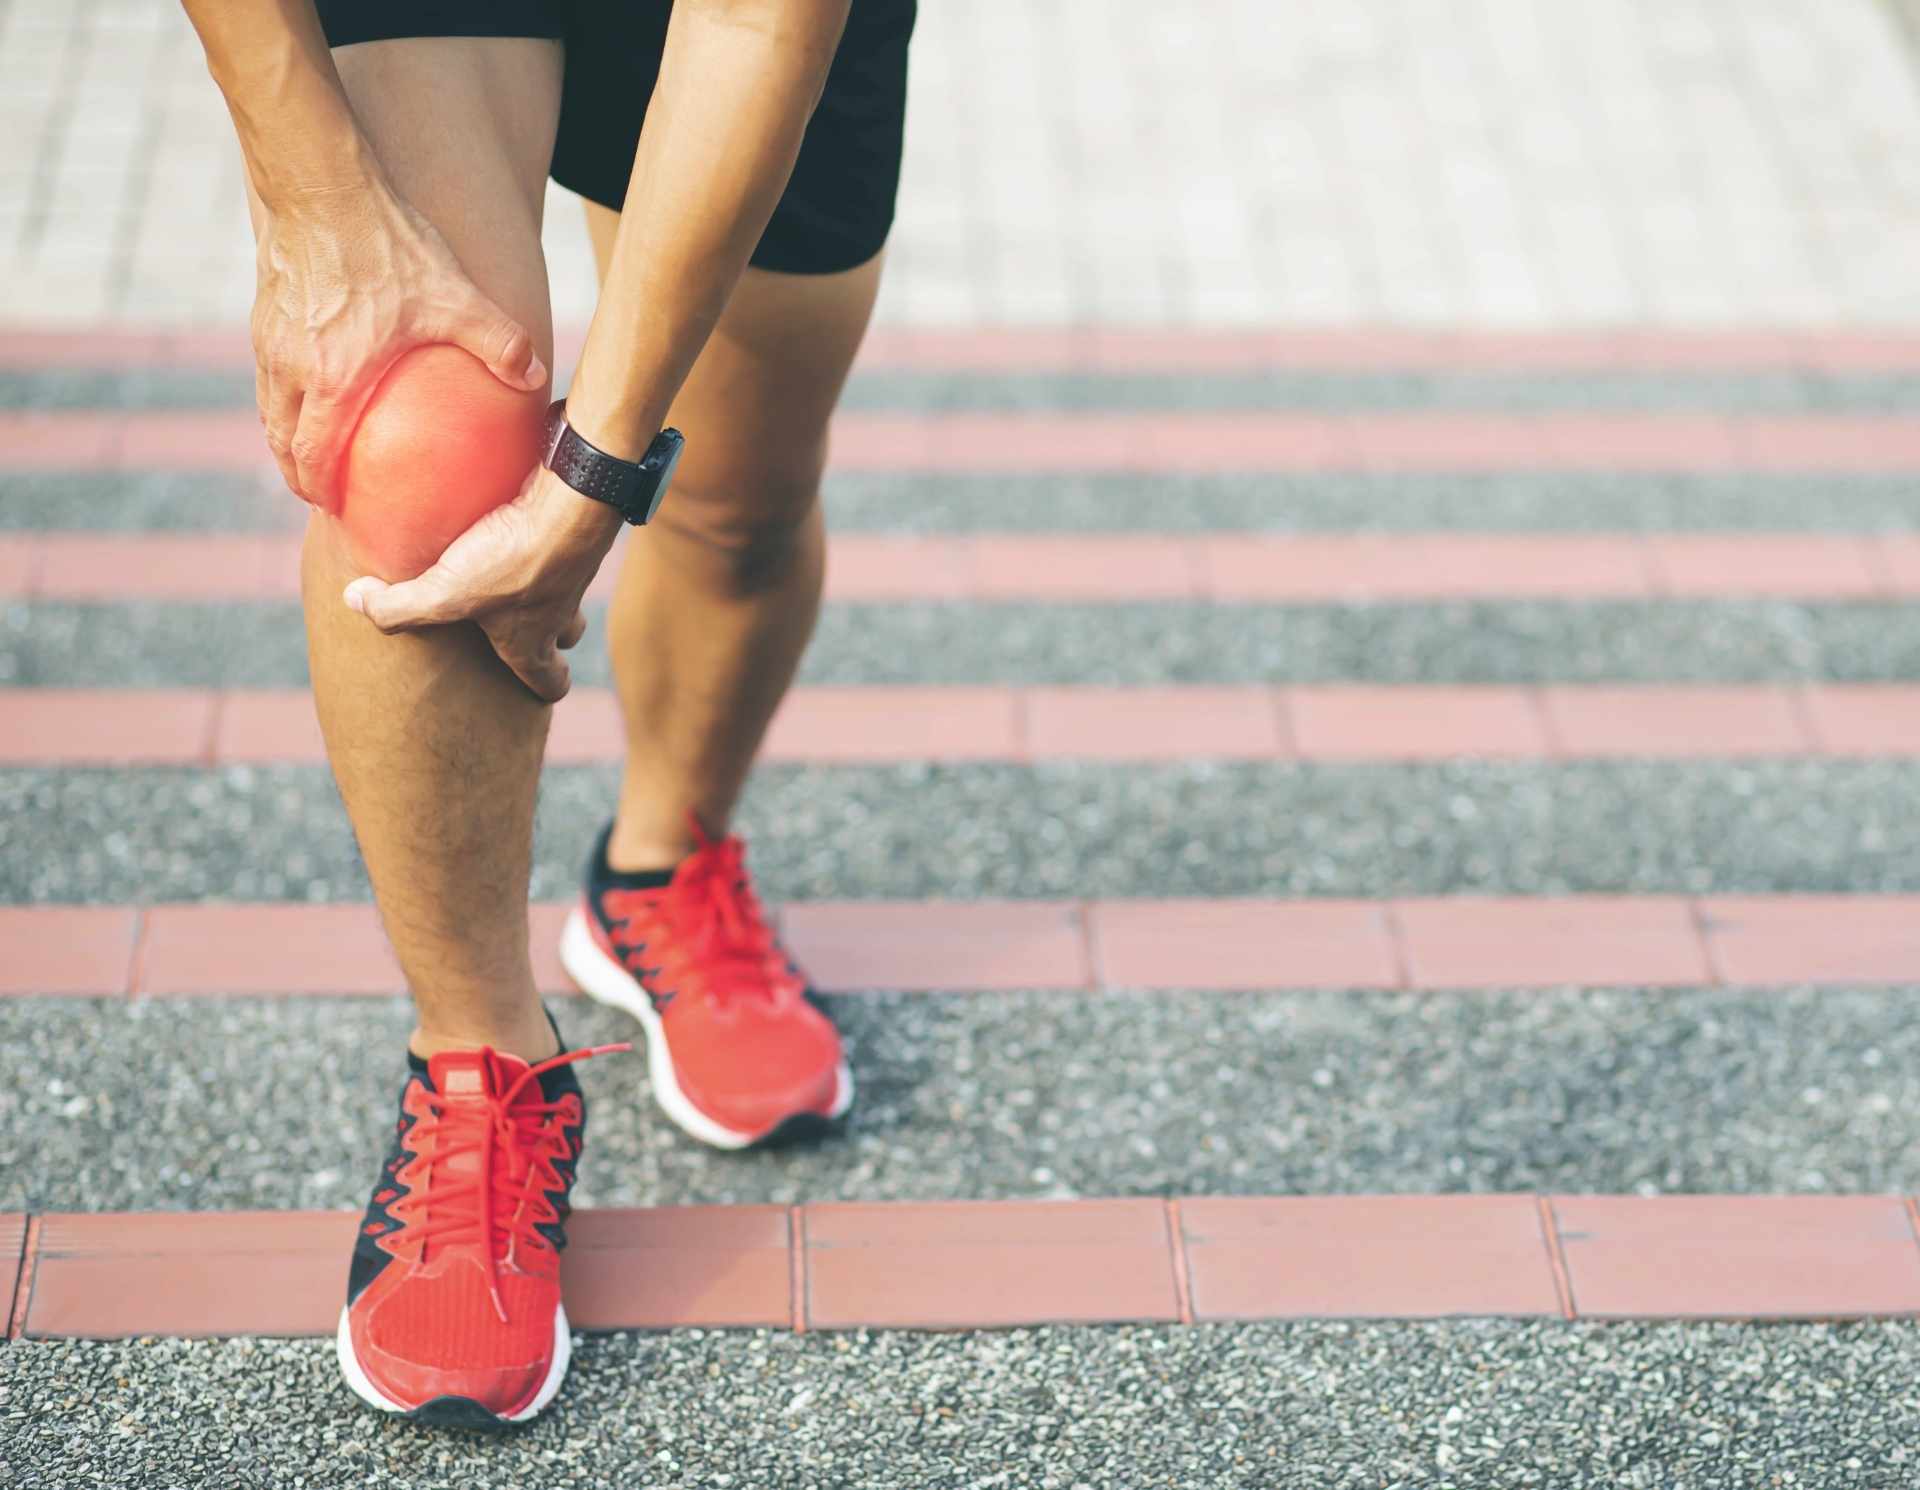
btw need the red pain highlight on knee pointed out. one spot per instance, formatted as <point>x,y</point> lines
<point>441,444</point>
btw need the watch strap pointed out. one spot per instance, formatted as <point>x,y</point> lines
<point>631,488</point>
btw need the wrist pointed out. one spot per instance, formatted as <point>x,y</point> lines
<point>347,184</point>
<point>575,520</point>
<point>304,148</point>
<point>621,425</point>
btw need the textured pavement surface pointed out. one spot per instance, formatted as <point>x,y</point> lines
<point>1112,502</point>
<point>56,643</point>
<point>1495,163</point>
<point>1304,1406</point>
<point>915,391</point>
<point>254,1101</point>
<point>1051,830</point>
<point>165,1104</point>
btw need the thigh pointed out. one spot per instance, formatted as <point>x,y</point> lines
<point>464,127</point>
<point>756,408</point>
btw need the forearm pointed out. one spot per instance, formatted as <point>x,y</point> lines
<point>296,128</point>
<point>738,82</point>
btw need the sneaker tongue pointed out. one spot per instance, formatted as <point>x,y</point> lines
<point>468,1078</point>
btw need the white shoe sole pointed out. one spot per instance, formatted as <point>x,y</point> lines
<point>607,982</point>
<point>367,1392</point>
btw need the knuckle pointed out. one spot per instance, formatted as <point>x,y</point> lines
<point>507,342</point>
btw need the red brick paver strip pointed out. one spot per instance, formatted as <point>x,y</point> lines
<point>210,948</point>
<point>108,1276</point>
<point>959,946</point>
<point>231,440</point>
<point>163,566</point>
<point>1865,718</point>
<point>890,724</point>
<point>1466,942</point>
<point>87,726</point>
<point>1409,723</point>
<point>1276,568</point>
<point>19,564</point>
<point>990,1264</point>
<point>1777,939</point>
<point>849,725</point>
<point>1676,722</point>
<point>1899,555</point>
<point>13,1243</point>
<point>1153,724</point>
<point>1231,568</point>
<point>1808,565</point>
<point>1085,566</point>
<point>1388,1256</point>
<point>27,348</point>
<point>1739,1256</point>
<point>933,945</point>
<point>678,1266</point>
<point>180,1273</point>
<point>1242,944</point>
<point>974,1264</point>
<point>69,949</point>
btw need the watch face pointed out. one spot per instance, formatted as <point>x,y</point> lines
<point>669,461</point>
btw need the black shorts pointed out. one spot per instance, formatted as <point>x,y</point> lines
<point>838,205</point>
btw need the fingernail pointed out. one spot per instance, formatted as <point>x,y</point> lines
<point>536,372</point>
<point>356,599</point>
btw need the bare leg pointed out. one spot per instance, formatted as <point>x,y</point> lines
<point>435,745</point>
<point>718,595</point>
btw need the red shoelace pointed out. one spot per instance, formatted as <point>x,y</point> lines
<point>720,943</point>
<point>499,1204</point>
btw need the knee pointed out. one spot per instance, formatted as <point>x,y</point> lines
<point>442,442</point>
<point>746,526</point>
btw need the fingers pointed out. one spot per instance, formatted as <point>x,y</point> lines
<point>429,601</point>
<point>319,441</point>
<point>544,671</point>
<point>280,411</point>
<point>498,340</point>
<point>413,603</point>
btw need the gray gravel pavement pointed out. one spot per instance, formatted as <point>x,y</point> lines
<point>148,644</point>
<point>148,501</point>
<point>1055,829</point>
<point>1559,501</point>
<point>860,501</point>
<point>911,391</point>
<point>1495,1405</point>
<point>241,1103</point>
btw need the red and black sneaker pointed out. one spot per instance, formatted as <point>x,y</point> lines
<point>453,1311</point>
<point>738,1049</point>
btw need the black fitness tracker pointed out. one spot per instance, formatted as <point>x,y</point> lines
<point>632,488</point>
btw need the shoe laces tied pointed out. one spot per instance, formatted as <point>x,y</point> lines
<point>720,939</point>
<point>497,1203</point>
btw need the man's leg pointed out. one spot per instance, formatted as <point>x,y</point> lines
<point>437,748</point>
<point>713,608</point>
<point>718,595</point>
<point>435,745</point>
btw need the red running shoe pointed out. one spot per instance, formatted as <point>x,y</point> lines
<point>453,1309</point>
<point>738,1050</point>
